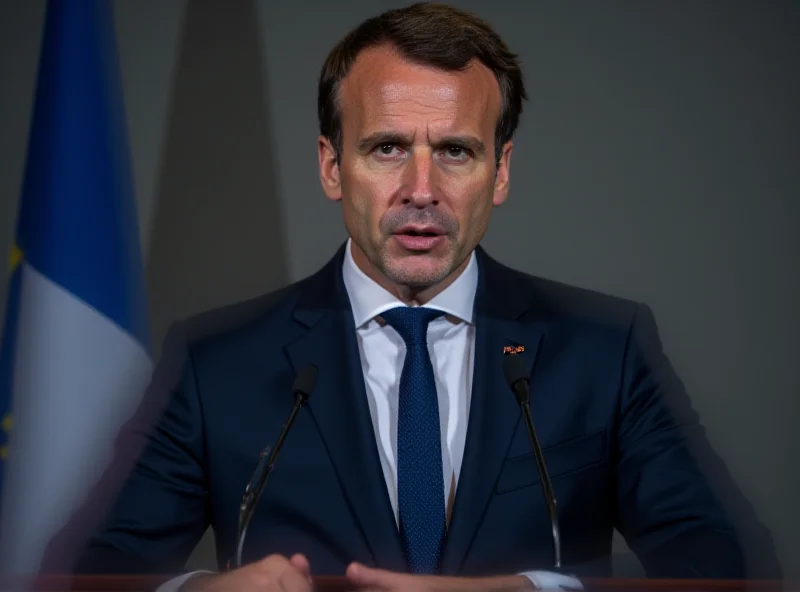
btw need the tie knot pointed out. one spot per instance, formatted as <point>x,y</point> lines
<point>411,322</point>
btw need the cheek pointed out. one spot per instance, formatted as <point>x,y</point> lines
<point>369,195</point>
<point>361,205</point>
<point>474,203</point>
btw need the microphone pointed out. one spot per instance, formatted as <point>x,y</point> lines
<point>519,382</point>
<point>302,388</point>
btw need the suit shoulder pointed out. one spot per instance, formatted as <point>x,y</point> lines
<point>569,303</point>
<point>240,317</point>
<point>254,324</point>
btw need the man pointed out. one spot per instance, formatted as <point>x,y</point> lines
<point>410,466</point>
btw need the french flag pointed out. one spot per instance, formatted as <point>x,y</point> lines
<point>75,358</point>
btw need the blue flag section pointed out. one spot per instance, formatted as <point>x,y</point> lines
<point>75,356</point>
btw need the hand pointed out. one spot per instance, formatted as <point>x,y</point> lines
<point>367,578</point>
<point>274,573</point>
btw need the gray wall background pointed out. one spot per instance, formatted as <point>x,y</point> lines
<point>658,159</point>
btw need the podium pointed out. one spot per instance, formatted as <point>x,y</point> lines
<point>335,584</point>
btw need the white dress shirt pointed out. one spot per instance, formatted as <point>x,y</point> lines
<point>451,345</point>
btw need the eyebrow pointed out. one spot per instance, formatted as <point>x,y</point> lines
<point>386,137</point>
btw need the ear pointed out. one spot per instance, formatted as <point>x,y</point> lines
<point>329,169</point>
<point>503,175</point>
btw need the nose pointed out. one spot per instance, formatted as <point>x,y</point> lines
<point>418,179</point>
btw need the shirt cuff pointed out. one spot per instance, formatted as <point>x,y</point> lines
<point>175,584</point>
<point>548,580</point>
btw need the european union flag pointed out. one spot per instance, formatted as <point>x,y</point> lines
<point>7,354</point>
<point>75,357</point>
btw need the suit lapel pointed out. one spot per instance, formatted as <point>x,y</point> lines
<point>501,320</point>
<point>340,410</point>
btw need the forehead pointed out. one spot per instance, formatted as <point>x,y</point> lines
<point>384,91</point>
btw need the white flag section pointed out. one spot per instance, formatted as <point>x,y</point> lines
<point>74,361</point>
<point>77,378</point>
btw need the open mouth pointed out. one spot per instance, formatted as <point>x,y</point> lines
<point>419,239</point>
<point>428,233</point>
<point>420,230</point>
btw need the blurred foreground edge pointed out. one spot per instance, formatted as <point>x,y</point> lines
<point>337,584</point>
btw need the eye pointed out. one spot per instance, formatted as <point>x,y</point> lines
<point>386,149</point>
<point>456,153</point>
<point>387,152</point>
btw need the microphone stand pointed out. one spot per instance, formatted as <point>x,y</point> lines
<point>547,486</point>
<point>304,385</point>
<point>518,380</point>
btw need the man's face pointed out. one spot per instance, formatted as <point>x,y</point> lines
<point>416,174</point>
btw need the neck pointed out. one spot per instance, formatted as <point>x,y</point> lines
<point>411,295</point>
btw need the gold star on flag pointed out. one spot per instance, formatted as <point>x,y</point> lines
<point>15,259</point>
<point>7,423</point>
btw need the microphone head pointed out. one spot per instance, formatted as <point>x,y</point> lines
<point>306,380</point>
<point>514,370</point>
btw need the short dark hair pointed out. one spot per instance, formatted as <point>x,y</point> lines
<point>429,34</point>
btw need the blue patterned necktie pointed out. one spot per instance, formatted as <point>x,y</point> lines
<point>420,486</point>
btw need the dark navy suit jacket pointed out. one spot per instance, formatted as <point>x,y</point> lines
<point>621,442</point>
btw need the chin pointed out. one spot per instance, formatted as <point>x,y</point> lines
<point>418,271</point>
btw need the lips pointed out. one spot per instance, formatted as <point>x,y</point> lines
<point>419,238</point>
<point>412,230</point>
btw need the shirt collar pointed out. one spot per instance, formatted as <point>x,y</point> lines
<point>369,300</point>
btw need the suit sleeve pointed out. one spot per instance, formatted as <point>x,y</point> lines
<point>676,500</point>
<point>161,511</point>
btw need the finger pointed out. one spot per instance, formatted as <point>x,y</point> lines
<point>301,564</point>
<point>291,580</point>
<point>367,577</point>
<point>273,562</point>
